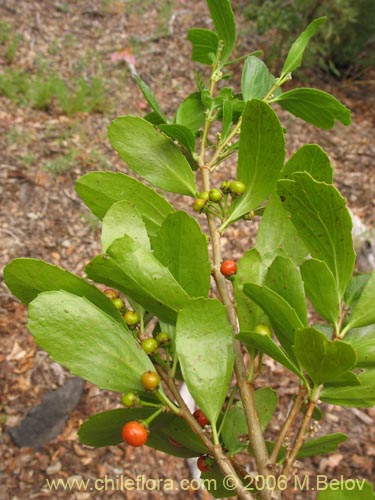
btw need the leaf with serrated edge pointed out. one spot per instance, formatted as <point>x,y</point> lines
<point>321,218</point>
<point>324,360</point>
<point>321,288</point>
<point>100,190</point>
<point>26,278</point>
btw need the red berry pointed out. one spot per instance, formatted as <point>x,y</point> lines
<point>228,268</point>
<point>134,433</point>
<point>176,444</point>
<point>202,464</point>
<point>150,380</point>
<point>201,418</point>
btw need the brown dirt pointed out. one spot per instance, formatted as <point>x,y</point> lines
<point>41,217</point>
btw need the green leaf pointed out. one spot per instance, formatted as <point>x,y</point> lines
<point>261,156</point>
<point>153,118</point>
<point>227,118</point>
<point>176,428</point>
<point>136,272</point>
<point>263,343</point>
<point>321,288</point>
<point>123,218</point>
<point>100,190</point>
<point>26,278</point>
<point>215,482</point>
<point>355,288</point>
<point>294,57</point>
<point>322,220</point>
<point>235,432</point>
<point>151,155</point>
<point>321,445</point>
<point>324,360</point>
<point>284,278</point>
<point>283,318</point>
<point>104,429</point>
<point>310,158</point>
<point>362,396</point>
<point>276,232</point>
<point>363,313</point>
<point>314,106</point>
<point>150,98</point>
<point>349,489</point>
<point>363,342</point>
<point>256,79</point>
<point>204,346</point>
<point>188,263</point>
<point>205,44</point>
<point>81,337</point>
<point>223,18</point>
<point>181,134</point>
<point>191,112</point>
<point>248,271</point>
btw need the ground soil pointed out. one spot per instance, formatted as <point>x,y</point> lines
<point>42,217</point>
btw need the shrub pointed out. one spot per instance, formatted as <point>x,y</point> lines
<point>162,320</point>
<point>346,44</point>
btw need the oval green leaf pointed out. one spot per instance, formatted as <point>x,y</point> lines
<point>223,18</point>
<point>363,313</point>
<point>256,79</point>
<point>81,337</point>
<point>136,272</point>
<point>321,218</point>
<point>261,156</point>
<point>321,288</point>
<point>324,360</point>
<point>362,396</point>
<point>123,218</point>
<point>152,155</point>
<point>100,190</point>
<point>314,106</point>
<point>26,278</point>
<point>182,248</point>
<point>204,345</point>
<point>310,158</point>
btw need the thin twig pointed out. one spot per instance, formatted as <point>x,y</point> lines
<point>302,432</point>
<point>298,402</point>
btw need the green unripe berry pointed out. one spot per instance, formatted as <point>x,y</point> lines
<point>204,195</point>
<point>237,187</point>
<point>198,205</point>
<point>162,338</point>
<point>225,186</point>
<point>215,195</point>
<point>118,303</point>
<point>131,318</point>
<point>130,399</point>
<point>150,346</point>
<point>263,330</point>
